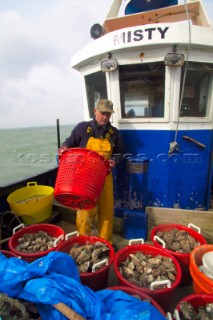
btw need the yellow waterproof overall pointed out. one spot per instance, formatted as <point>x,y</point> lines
<point>99,220</point>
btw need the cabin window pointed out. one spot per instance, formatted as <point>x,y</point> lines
<point>142,90</point>
<point>195,102</point>
<point>96,89</point>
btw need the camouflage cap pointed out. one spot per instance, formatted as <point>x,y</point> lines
<point>105,105</point>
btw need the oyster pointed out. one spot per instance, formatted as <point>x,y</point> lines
<point>187,310</point>
<point>204,312</point>
<point>35,242</point>
<point>209,307</point>
<point>87,255</point>
<point>143,269</point>
<point>178,240</point>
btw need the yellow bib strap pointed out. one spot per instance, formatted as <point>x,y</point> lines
<point>101,146</point>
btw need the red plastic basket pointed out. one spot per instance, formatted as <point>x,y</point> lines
<point>201,283</point>
<point>142,295</point>
<point>196,300</point>
<point>80,178</point>
<point>162,296</point>
<point>95,280</point>
<point>50,229</point>
<point>182,258</point>
<point>9,254</point>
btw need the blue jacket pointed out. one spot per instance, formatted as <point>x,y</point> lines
<point>84,130</point>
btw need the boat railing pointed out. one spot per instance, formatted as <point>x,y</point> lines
<point>177,13</point>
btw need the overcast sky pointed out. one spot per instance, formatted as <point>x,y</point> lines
<point>37,41</point>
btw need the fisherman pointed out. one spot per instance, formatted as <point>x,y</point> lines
<point>100,136</point>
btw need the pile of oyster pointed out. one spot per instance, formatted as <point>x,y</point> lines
<point>35,242</point>
<point>178,240</point>
<point>204,312</point>
<point>89,254</point>
<point>142,269</point>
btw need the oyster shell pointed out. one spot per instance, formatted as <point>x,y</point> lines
<point>187,310</point>
<point>35,242</point>
<point>178,240</point>
<point>204,312</point>
<point>87,255</point>
<point>143,269</point>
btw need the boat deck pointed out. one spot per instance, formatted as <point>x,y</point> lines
<point>65,218</point>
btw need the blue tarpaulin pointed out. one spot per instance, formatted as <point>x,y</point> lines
<point>55,278</point>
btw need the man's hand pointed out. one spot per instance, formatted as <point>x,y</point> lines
<point>61,150</point>
<point>111,164</point>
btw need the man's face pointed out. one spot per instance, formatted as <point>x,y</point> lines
<point>102,118</point>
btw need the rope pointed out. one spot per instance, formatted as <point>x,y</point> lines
<point>11,309</point>
<point>8,225</point>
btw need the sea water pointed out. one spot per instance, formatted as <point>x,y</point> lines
<point>28,151</point>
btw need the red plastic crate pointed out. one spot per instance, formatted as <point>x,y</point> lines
<point>182,258</point>
<point>50,229</point>
<point>162,296</point>
<point>95,280</point>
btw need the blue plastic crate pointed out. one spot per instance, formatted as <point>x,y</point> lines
<point>135,225</point>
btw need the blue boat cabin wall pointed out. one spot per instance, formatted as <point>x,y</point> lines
<point>181,180</point>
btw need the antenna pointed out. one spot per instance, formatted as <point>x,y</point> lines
<point>58,133</point>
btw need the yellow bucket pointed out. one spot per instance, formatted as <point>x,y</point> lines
<point>32,203</point>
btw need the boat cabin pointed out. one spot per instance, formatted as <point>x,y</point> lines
<point>156,65</point>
